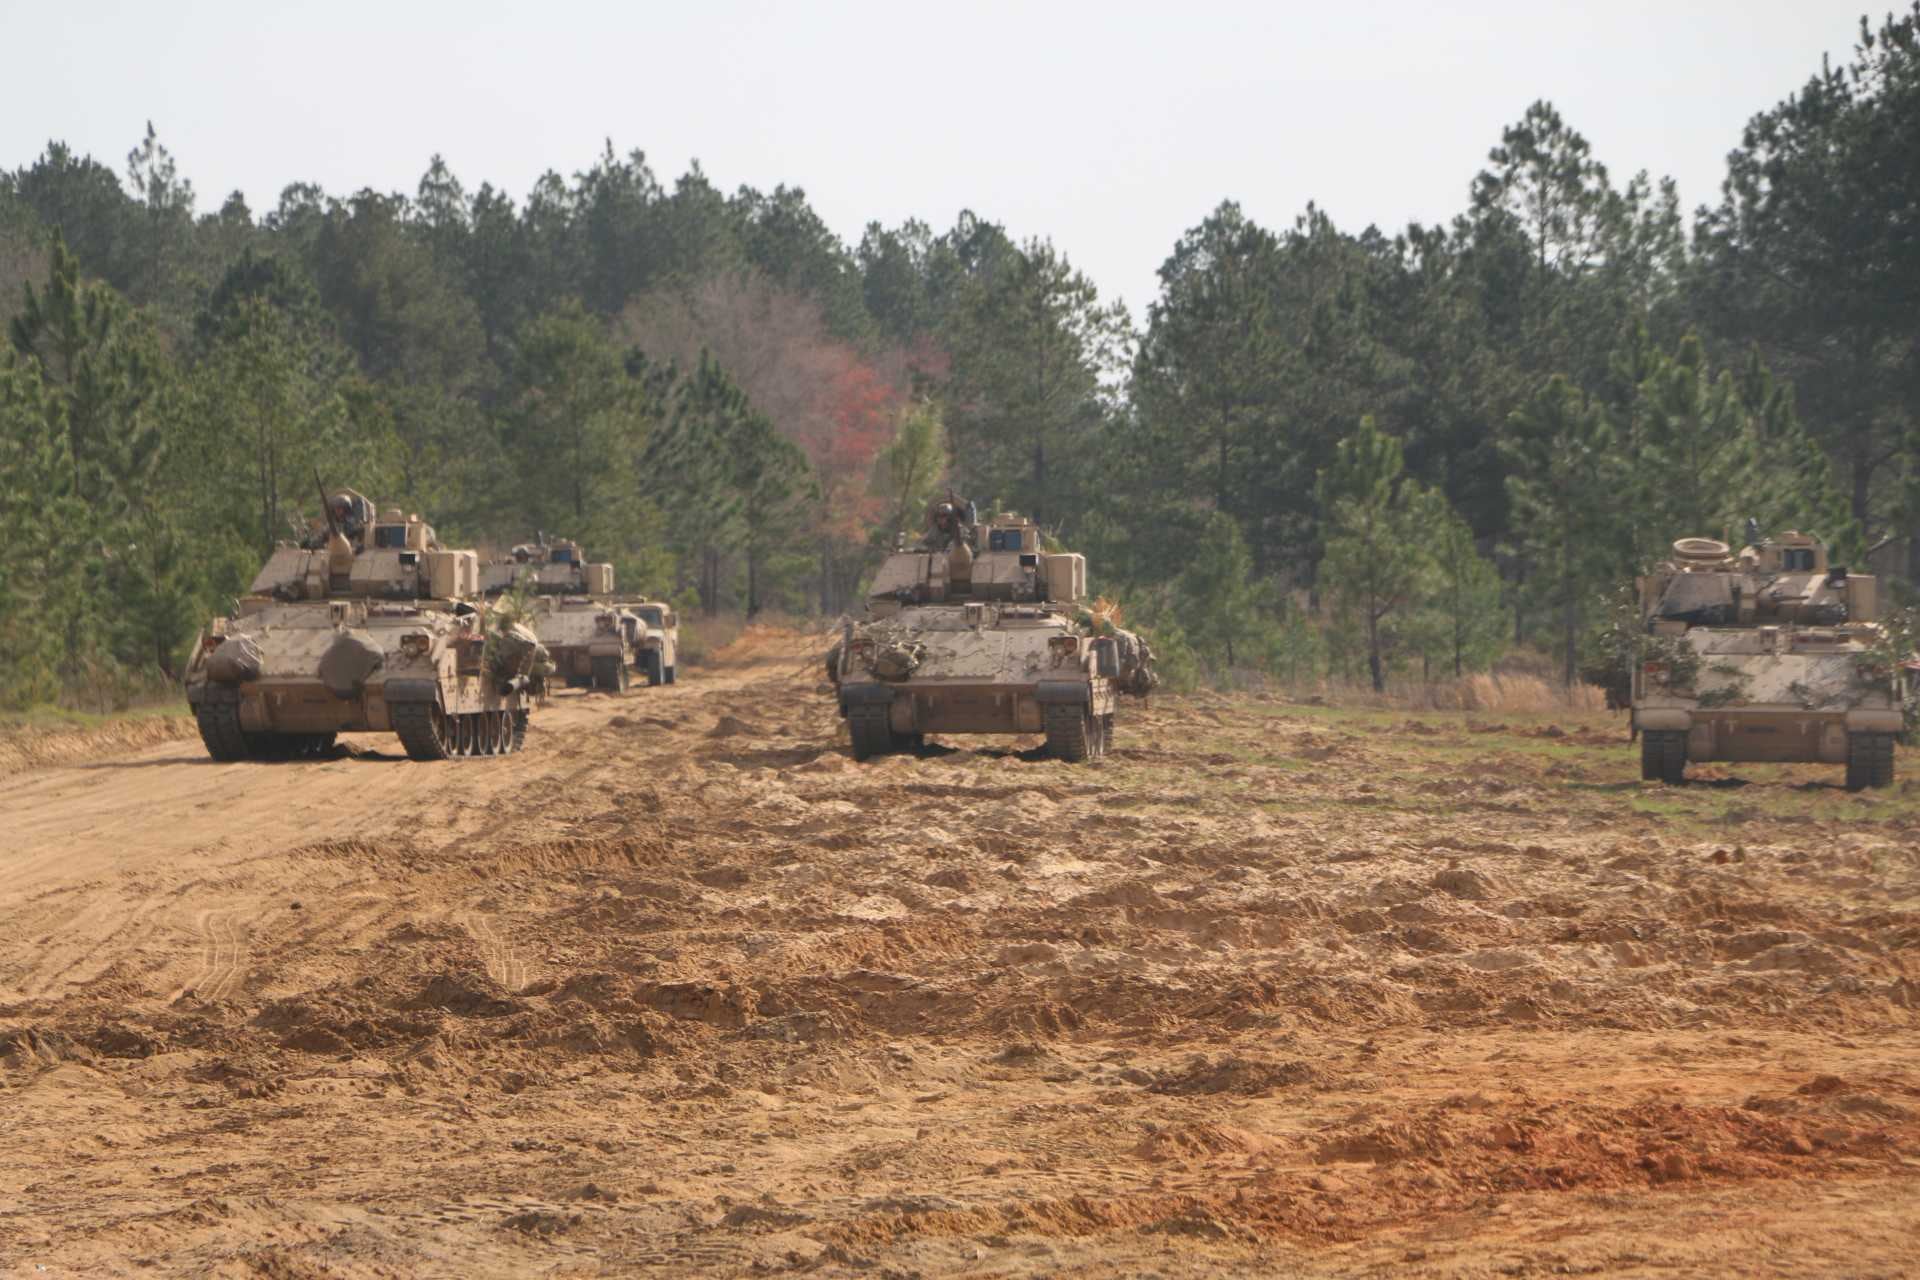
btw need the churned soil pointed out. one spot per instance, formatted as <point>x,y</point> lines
<point>1273,988</point>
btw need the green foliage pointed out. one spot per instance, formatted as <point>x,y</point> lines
<point>1379,524</point>
<point>1180,667</point>
<point>1811,255</point>
<point>910,472</point>
<point>1555,377</point>
<point>1032,343</point>
<point>1704,453</point>
<point>1220,609</point>
<point>1564,484</point>
<point>1297,649</point>
<point>1460,621</point>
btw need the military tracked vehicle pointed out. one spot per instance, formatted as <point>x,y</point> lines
<point>980,630</point>
<point>366,625</point>
<point>593,640</point>
<point>1772,654</point>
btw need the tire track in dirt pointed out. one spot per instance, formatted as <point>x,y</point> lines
<point>224,953</point>
<point>72,949</point>
<point>683,988</point>
<point>503,964</point>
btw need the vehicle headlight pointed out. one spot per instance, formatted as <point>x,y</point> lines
<point>415,644</point>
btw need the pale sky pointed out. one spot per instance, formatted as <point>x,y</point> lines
<point>1109,127</point>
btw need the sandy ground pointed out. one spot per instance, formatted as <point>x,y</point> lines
<point>1274,989</point>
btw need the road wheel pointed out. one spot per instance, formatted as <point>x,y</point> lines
<point>650,667</point>
<point>220,729</point>
<point>672,674</point>
<point>425,730</point>
<point>1869,760</point>
<point>872,735</point>
<point>1070,732</point>
<point>1663,756</point>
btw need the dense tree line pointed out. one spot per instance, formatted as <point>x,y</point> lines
<point>1325,451</point>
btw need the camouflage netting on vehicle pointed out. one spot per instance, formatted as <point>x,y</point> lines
<point>1137,675</point>
<point>348,661</point>
<point>513,650</point>
<point>897,659</point>
<point>236,660</point>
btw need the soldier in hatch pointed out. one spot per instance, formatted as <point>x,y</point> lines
<point>350,514</point>
<point>950,523</point>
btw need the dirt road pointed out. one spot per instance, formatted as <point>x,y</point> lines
<point>1273,988</point>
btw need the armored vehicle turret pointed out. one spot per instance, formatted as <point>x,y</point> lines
<point>367,624</point>
<point>548,567</point>
<point>1773,654</point>
<point>982,630</point>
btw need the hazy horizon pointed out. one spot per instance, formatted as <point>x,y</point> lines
<point>1110,129</point>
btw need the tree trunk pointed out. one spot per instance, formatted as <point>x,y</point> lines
<point>1039,479</point>
<point>1519,609</point>
<point>1373,654</point>
<point>1863,469</point>
<point>1573,637</point>
<point>753,581</point>
<point>1220,485</point>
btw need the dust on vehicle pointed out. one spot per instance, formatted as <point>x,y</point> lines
<point>595,640</point>
<point>1773,654</point>
<point>982,630</point>
<point>367,624</point>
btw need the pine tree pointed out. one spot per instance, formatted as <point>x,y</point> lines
<point>1219,603</point>
<point>1463,594</point>
<point>1377,554</point>
<point>908,473</point>
<point>1566,487</point>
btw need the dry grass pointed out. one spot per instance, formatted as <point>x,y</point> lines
<point>1510,693</point>
<point>702,637</point>
<point>35,742</point>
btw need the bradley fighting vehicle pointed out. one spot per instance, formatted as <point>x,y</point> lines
<point>981,631</point>
<point>1771,654</point>
<point>366,625</point>
<point>593,639</point>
